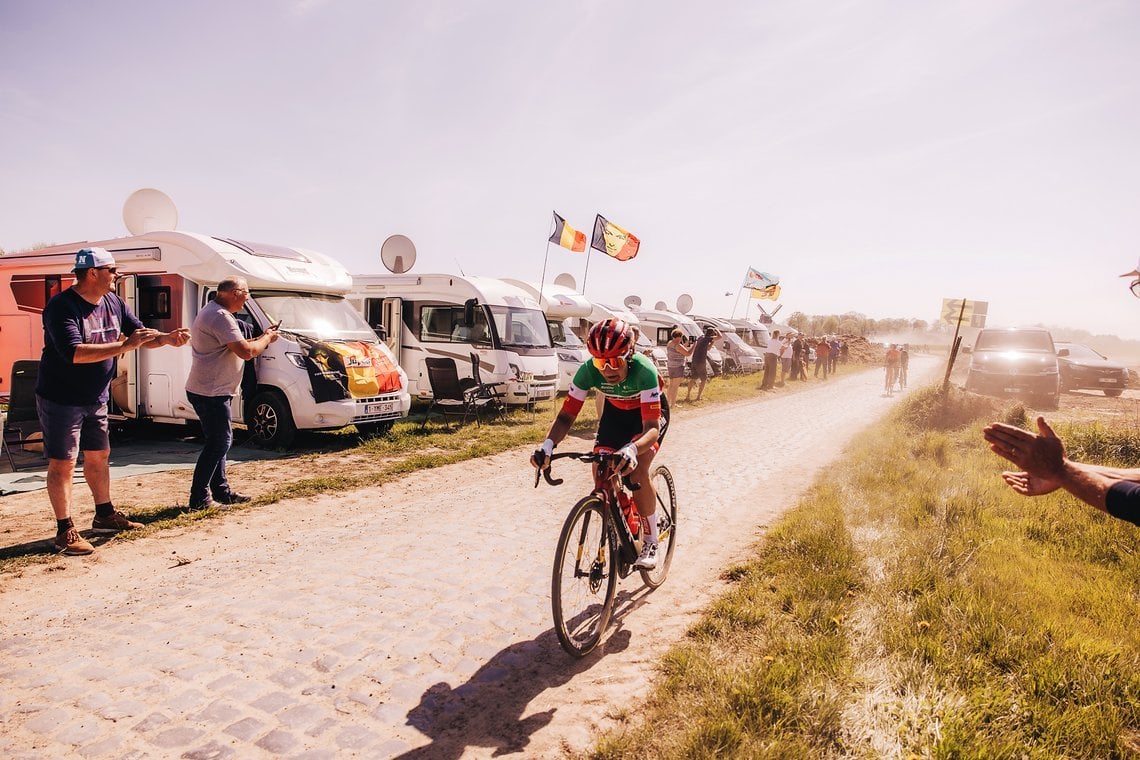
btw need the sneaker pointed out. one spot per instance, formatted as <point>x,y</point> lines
<point>233,497</point>
<point>70,542</point>
<point>647,560</point>
<point>199,505</point>
<point>113,523</point>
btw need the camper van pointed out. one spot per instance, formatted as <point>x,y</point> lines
<point>445,315</point>
<point>658,325</point>
<point>564,307</point>
<point>753,333</point>
<point>326,371</point>
<point>738,355</point>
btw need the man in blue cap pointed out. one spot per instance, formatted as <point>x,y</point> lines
<point>85,328</point>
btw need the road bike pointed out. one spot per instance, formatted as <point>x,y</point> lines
<point>597,546</point>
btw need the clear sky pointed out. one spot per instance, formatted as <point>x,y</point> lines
<point>877,156</point>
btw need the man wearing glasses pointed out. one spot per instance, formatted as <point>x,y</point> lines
<point>85,328</point>
<point>633,419</point>
<point>1044,467</point>
<point>220,351</point>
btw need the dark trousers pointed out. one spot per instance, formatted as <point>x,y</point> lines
<point>770,361</point>
<point>218,435</point>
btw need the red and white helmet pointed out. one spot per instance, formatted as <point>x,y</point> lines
<point>611,338</point>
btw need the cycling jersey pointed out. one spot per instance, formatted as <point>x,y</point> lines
<point>636,399</point>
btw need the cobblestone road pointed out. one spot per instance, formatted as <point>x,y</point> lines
<point>408,620</point>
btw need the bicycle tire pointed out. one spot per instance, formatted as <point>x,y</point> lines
<point>666,526</point>
<point>583,601</point>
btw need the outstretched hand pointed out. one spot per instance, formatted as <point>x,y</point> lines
<point>1041,456</point>
<point>1028,485</point>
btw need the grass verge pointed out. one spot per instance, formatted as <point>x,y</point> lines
<point>913,606</point>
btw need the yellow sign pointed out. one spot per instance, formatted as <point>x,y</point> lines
<point>973,315</point>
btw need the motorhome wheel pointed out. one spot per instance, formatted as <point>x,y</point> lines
<point>271,421</point>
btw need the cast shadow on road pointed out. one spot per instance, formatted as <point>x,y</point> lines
<point>487,710</point>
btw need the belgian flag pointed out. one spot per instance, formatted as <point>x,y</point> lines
<point>566,236</point>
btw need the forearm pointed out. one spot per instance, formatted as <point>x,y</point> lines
<point>92,353</point>
<point>1087,482</point>
<point>162,339</point>
<point>560,427</point>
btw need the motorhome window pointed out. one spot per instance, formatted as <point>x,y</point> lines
<point>521,328</point>
<point>664,335</point>
<point>154,302</point>
<point>562,337</point>
<point>444,324</point>
<point>53,286</point>
<point>313,315</point>
<point>266,250</point>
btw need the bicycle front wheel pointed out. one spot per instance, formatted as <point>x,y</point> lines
<point>666,516</point>
<point>585,577</point>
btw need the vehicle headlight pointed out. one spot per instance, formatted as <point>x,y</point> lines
<point>297,359</point>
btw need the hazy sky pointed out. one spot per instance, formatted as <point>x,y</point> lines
<point>877,156</point>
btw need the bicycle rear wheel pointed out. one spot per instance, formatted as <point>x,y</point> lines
<point>666,526</point>
<point>585,577</point>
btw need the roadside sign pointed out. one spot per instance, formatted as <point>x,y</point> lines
<point>973,315</point>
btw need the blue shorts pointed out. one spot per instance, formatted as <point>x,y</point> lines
<point>67,430</point>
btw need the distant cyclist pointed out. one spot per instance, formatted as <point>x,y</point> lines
<point>633,419</point>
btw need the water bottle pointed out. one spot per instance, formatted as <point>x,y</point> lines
<point>629,509</point>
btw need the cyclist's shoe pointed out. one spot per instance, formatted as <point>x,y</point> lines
<point>68,541</point>
<point>647,560</point>
<point>113,523</point>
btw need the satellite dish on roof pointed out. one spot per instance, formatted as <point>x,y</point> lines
<point>147,210</point>
<point>632,302</point>
<point>566,280</point>
<point>661,306</point>
<point>684,303</point>
<point>398,254</point>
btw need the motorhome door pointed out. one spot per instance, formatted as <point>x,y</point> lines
<point>125,384</point>
<point>383,316</point>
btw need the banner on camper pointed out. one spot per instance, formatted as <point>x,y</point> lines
<point>348,370</point>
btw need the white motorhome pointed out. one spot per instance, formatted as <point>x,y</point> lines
<point>646,344</point>
<point>753,333</point>
<point>738,355</point>
<point>445,315</point>
<point>563,307</point>
<point>659,324</point>
<point>326,371</point>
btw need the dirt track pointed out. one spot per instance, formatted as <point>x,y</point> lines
<point>410,620</point>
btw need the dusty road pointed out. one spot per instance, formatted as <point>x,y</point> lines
<point>408,620</point>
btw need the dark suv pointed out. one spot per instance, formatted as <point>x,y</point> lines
<point>1020,361</point>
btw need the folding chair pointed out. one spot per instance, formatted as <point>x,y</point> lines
<point>493,392</point>
<point>448,395</point>
<point>22,425</point>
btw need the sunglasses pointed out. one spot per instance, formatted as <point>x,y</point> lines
<point>616,363</point>
<point>112,270</point>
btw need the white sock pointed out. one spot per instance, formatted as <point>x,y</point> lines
<point>652,519</point>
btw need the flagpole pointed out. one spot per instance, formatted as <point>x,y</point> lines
<point>737,301</point>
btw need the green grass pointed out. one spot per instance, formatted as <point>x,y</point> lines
<point>916,607</point>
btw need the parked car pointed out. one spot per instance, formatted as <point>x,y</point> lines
<point>1021,361</point>
<point>738,355</point>
<point>1085,368</point>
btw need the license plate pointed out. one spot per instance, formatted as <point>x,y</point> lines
<point>381,408</point>
<point>543,393</point>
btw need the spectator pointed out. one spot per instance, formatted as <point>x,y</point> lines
<point>85,328</point>
<point>833,354</point>
<point>771,357</point>
<point>799,349</point>
<point>904,363</point>
<point>785,360</point>
<point>675,352</point>
<point>1045,468</point>
<point>822,351</point>
<point>699,370</point>
<point>220,351</point>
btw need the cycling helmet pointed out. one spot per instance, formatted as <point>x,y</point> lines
<point>610,338</point>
